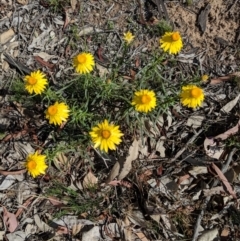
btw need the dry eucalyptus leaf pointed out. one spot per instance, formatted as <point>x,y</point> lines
<point>224,180</point>
<point>102,70</point>
<point>132,155</point>
<point>215,150</point>
<point>73,4</point>
<point>70,220</point>
<point>230,105</point>
<point>10,220</point>
<point>45,56</point>
<point>23,2</point>
<point>209,235</point>
<point>141,236</point>
<point>42,225</point>
<point>6,36</point>
<point>90,180</point>
<point>7,182</point>
<point>30,229</point>
<point>122,167</point>
<point>93,234</point>
<point>159,146</point>
<point>16,236</point>
<point>61,162</point>
<point>213,191</point>
<point>89,30</point>
<point>196,170</point>
<point>195,121</point>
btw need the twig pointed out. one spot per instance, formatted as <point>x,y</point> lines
<point>185,147</point>
<point>101,155</point>
<point>207,199</point>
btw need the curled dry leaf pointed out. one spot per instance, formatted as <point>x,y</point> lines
<point>10,220</point>
<point>224,180</point>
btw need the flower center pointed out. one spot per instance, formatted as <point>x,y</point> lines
<point>196,92</point>
<point>31,165</point>
<point>52,110</point>
<point>32,81</point>
<point>145,99</point>
<point>81,59</point>
<point>106,134</point>
<point>175,36</point>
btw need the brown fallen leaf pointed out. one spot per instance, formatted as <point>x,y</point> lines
<point>121,183</point>
<point>67,17</point>
<point>219,80</point>
<point>10,220</point>
<point>24,206</point>
<point>145,175</point>
<point>44,63</point>
<point>62,230</point>
<point>5,173</point>
<point>224,180</point>
<point>225,234</point>
<point>182,178</point>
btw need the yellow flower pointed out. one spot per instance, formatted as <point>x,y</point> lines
<point>35,82</point>
<point>144,100</point>
<point>171,42</point>
<point>83,63</point>
<point>205,78</point>
<point>57,113</point>
<point>35,164</point>
<point>192,96</point>
<point>128,37</point>
<point>106,135</point>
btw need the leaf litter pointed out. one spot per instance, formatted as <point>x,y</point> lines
<point>153,184</point>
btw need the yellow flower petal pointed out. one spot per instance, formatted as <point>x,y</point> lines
<point>35,82</point>
<point>192,96</point>
<point>144,100</point>
<point>35,164</point>
<point>83,63</point>
<point>128,37</point>
<point>171,42</point>
<point>106,136</point>
<point>57,113</point>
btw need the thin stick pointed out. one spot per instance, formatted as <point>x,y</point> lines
<point>185,147</point>
<point>207,199</point>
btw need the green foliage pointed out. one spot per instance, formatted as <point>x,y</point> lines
<point>58,5</point>
<point>160,28</point>
<point>75,202</point>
